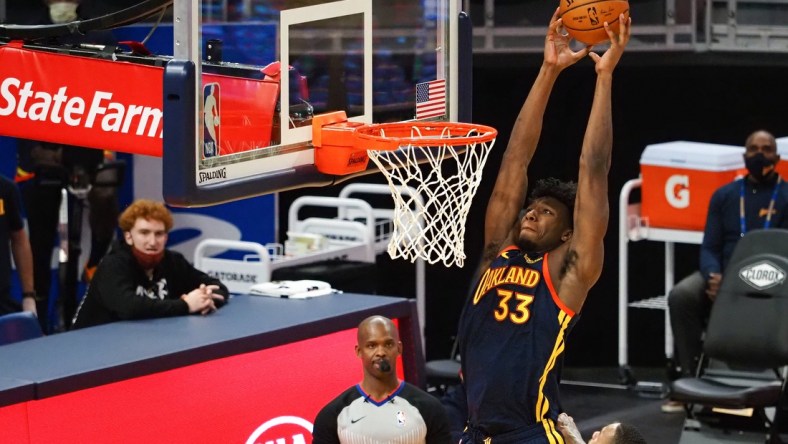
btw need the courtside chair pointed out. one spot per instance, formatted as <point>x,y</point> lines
<point>748,329</point>
<point>17,327</point>
<point>444,373</point>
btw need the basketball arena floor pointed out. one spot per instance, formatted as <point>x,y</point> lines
<point>594,397</point>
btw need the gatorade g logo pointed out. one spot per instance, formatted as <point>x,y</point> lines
<point>282,430</point>
<point>677,191</point>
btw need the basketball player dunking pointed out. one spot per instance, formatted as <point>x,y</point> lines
<point>536,274</point>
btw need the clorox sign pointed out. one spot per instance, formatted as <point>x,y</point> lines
<point>762,275</point>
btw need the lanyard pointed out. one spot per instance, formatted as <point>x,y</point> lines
<point>767,223</point>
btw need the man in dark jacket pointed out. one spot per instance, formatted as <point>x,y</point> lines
<point>140,279</point>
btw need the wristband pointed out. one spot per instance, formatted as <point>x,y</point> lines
<point>29,294</point>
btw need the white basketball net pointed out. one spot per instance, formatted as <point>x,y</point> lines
<point>431,224</point>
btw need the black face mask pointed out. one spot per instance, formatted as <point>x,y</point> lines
<point>756,164</point>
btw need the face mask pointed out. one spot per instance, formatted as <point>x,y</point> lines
<point>758,166</point>
<point>147,261</point>
<point>63,12</point>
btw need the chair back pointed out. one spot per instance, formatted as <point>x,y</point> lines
<point>17,327</point>
<point>748,325</point>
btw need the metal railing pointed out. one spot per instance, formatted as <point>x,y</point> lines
<point>517,26</point>
<point>507,26</point>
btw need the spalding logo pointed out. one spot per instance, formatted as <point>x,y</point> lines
<point>762,275</point>
<point>282,430</point>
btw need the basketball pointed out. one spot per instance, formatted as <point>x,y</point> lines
<point>584,19</point>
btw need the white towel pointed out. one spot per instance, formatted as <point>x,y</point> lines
<point>303,289</point>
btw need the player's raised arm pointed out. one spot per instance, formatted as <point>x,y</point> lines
<point>510,189</point>
<point>582,263</point>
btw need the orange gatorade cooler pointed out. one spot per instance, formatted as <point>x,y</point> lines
<point>782,150</point>
<point>679,179</point>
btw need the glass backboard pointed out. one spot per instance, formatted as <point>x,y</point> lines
<point>267,67</point>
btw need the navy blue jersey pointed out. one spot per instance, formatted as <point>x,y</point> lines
<point>512,333</point>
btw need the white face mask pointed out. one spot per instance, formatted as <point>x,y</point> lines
<point>63,12</point>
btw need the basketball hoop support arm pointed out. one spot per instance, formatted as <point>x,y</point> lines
<point>335,145</point>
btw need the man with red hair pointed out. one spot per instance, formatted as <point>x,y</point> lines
<point>139,278</point>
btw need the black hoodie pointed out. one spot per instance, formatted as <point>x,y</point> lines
<point>121,290</point>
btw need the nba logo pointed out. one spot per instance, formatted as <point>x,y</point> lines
<point>400,418</point>
<point>211,133</point>
<point>592,15</point>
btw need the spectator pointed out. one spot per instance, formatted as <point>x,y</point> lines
<point>12,233</point>
<point>139,278</point>
<point>46,168</point>
<point>381,408</point>
<point>758,200</point>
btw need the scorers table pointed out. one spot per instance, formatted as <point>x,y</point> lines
<point>257,370</point>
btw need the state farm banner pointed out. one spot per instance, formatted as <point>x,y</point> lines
<point>80,101</point>
<point>117,105</point>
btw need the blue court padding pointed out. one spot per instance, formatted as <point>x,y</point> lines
<point>15,390</point>
<point>90,357</point>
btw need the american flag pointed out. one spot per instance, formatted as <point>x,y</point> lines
<point>431,99</point>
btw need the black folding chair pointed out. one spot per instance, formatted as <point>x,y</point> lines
<point>444,373</point>
<point>748,332</point>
